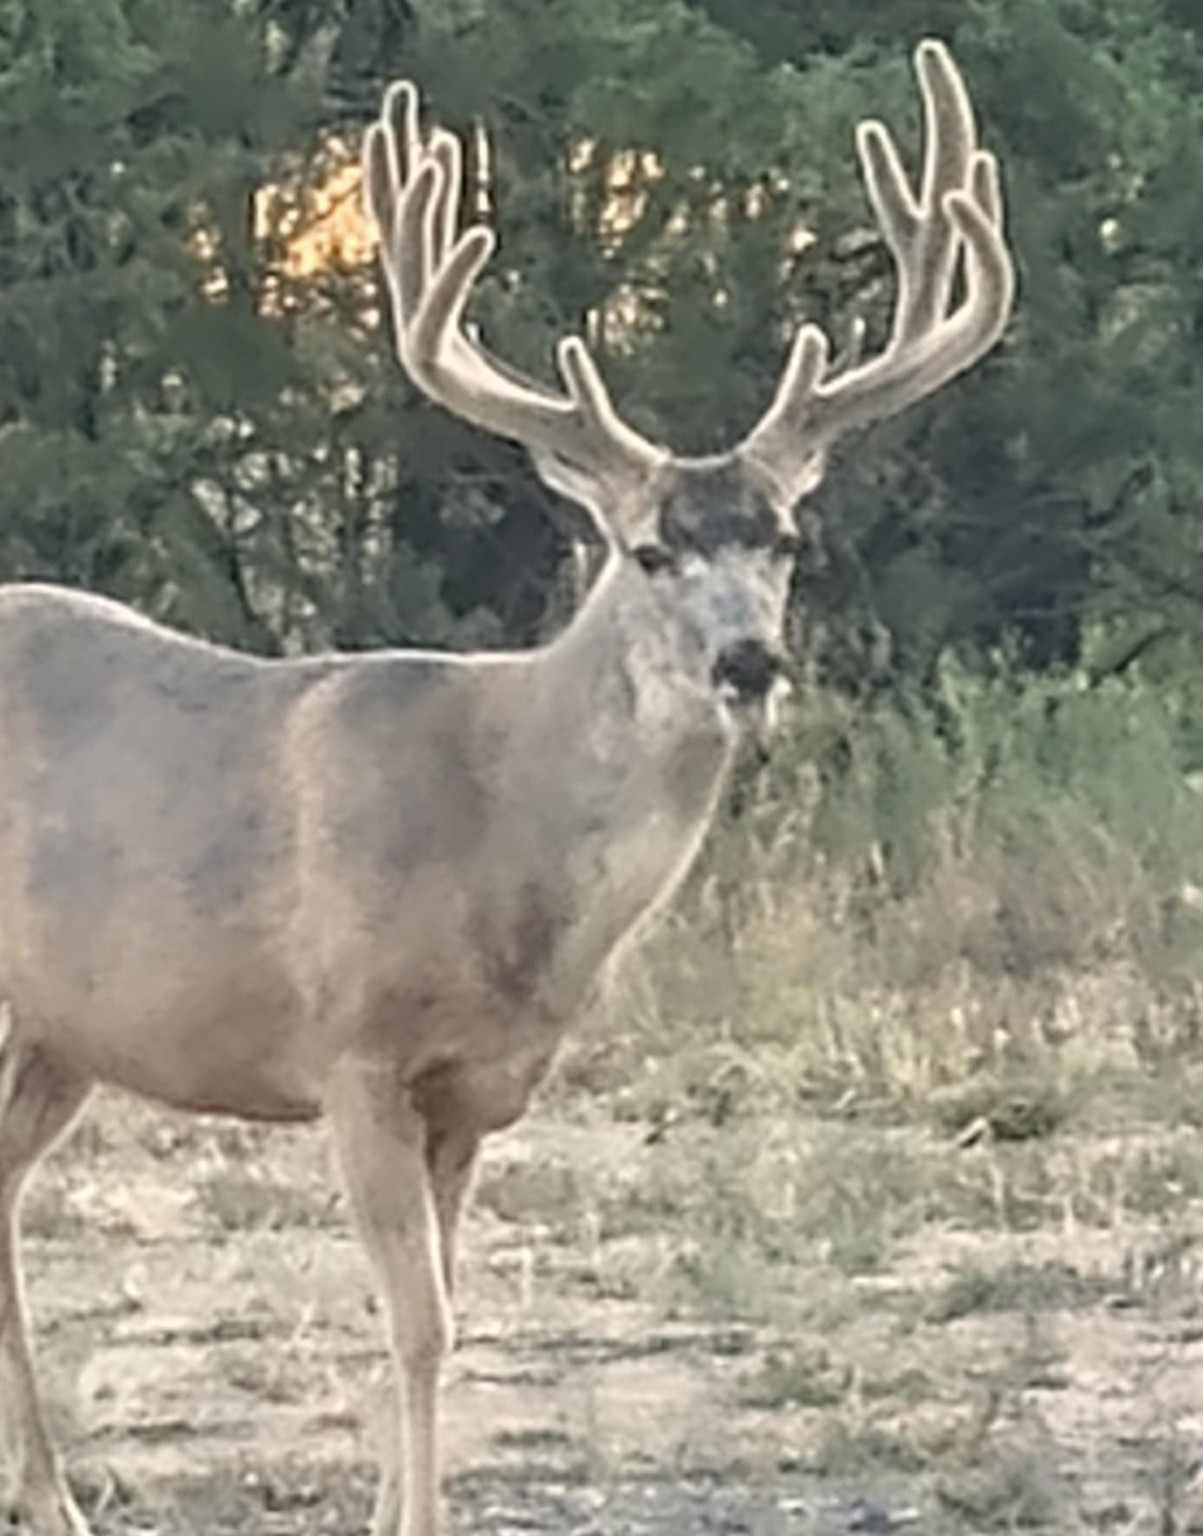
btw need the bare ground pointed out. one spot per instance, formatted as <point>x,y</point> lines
<point>211,1352</point>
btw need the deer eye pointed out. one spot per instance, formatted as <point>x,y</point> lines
<point>787,546</point>
<point>652,558</point>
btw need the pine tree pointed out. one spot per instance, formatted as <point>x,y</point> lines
<point>195,418</point>
<point>174,397</point>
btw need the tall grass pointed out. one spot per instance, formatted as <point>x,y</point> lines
<point>968,922</point>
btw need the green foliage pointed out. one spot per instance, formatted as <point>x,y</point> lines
<point>187,422</point>
<point>113,134</point>
<point>977,908</point>
<point>942,974</point>
<point>1059,485</point>
<point>257,469</point>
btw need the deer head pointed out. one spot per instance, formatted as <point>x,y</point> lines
<point>715,538</point>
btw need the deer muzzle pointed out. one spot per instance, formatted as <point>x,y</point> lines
<point>747,671</point>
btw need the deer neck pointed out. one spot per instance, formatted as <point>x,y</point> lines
<point>642,746</point>
<point>641,671</point>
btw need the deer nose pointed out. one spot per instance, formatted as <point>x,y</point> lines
<point>749,668</point>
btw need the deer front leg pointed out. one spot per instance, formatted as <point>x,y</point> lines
<point>381,1144</point>
<point>450,1161</point>
<point>37,1103</point>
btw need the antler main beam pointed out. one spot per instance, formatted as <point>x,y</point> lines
<point>957,215</point>
<point>414,188</point>
<point>953,222</point>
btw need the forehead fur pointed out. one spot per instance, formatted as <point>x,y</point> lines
<point>708,504</point>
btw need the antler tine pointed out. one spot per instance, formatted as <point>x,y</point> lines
<point>956,215</point>
<point>923,243</point>
<point>413,186</point>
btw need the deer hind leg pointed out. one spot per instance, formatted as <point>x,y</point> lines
<point>380,1139</point>
<point>38,1101</point>
<point>450,1162</point>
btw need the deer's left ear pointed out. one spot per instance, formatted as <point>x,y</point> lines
<point>783,491</point>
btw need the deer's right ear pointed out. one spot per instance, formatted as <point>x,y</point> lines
<point>624,508</point>
<point>578,485</point>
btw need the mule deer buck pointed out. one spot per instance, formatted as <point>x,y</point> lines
<point>377,888</point>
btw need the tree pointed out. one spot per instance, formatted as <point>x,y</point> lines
<point>198,415</point>
<point>1056,492</point>
<point>177,408</point>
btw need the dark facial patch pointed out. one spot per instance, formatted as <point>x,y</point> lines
<point>712,504</point>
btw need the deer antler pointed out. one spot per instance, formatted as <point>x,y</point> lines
<point>413,188</point>
<point>577,440</point>
<point>957,214</point>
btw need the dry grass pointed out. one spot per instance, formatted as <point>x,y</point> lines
<point>997,1028</point>
<point>848,1052</point>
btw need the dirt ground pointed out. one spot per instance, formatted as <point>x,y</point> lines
<point>210,1350</point>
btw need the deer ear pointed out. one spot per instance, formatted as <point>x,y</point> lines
<point>625,510</point>
<point>577,485</point>
<point>785,492</point>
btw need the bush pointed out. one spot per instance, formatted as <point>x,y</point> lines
<point>993,876</point>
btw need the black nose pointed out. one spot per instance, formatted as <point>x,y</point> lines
<point>749,668</point>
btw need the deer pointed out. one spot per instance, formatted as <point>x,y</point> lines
<point>375,889</point>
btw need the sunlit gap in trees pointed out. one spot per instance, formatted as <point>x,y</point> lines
<point>310,226</point>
